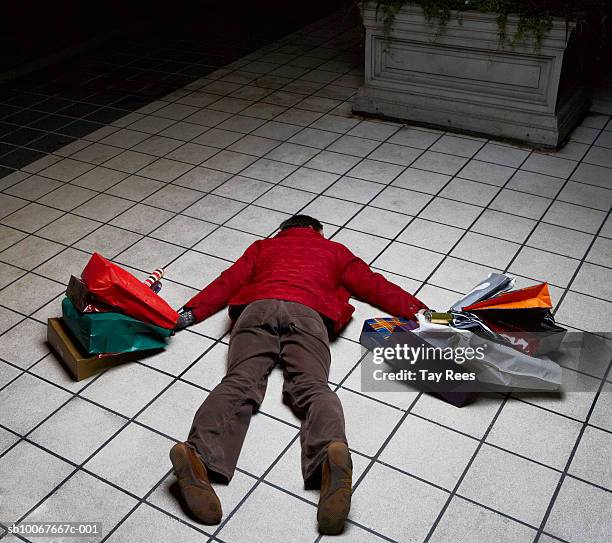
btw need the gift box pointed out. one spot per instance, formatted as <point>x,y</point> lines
<point>458,394</point>
<point>389,331</point>
<point>82,299</point>
<point>80,365</point>
<point>376,331</point>
<point>112,332</point>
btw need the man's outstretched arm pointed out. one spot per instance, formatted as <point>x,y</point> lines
<point>217,294</point>
<point>373,288</point>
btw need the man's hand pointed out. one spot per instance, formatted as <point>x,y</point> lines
<point>185,320</point>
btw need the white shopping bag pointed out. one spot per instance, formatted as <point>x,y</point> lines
<point>501,366</point>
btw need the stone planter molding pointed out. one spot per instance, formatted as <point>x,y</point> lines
<point>460,77</point>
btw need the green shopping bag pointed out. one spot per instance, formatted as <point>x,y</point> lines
<point>112,332</point>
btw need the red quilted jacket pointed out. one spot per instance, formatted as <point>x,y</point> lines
<point>300,265</point>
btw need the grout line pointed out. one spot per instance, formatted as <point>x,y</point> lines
<point>80,466</point>
<point>386,442</point>
<point>456,244</point>
<point>217,187</point>
<point>326,189</point>
<point>538,221</point>
<point>322,114</point>
<point>224,522</point>
<point>331,82</point>
<point>475,502</point>
<point>274,485</point>
<point>258,76</point>
<point>580,264</point>
<point>564,474</point>
<point>297,167</point>
<point>192,247</point>
<point>453,492</point>
<point>238,113</point>
<point>259,157</point>
<point>50,414</point>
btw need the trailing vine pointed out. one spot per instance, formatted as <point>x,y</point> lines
<point>534,16</point>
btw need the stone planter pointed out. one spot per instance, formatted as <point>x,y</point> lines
<point>460,77</point>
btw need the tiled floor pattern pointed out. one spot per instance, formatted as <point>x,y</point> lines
<point>188,181</point>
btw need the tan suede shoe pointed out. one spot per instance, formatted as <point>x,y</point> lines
<point>336,483</point>
<point>195,485</point>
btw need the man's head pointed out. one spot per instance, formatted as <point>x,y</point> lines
<point>301,221</point>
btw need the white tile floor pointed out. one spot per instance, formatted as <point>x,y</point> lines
<point>188,182</point>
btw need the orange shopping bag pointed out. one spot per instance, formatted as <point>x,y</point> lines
<point>524,298</point>
<point>522,318</point>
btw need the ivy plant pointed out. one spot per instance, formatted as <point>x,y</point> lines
<point>534,16</point>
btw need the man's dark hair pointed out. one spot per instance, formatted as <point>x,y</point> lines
<point>301,221</point>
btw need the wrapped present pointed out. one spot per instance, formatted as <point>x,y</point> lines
<point>375,331</point>
<point>82,299</point>
<point>392,331</point>
<point>112,332</point>
<point>117,287</point>
<point>454,393</point>
<point>80,365</point>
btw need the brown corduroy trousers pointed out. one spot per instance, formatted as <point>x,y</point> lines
<point>266,333</point>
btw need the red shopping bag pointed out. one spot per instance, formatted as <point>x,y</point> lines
<point>120,289</point>
<point>532,331</point>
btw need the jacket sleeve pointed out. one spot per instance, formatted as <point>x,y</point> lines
<point>374,289</point>
<point>217,294</point>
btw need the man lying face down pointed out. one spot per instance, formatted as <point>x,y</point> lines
<point>286,295</point>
